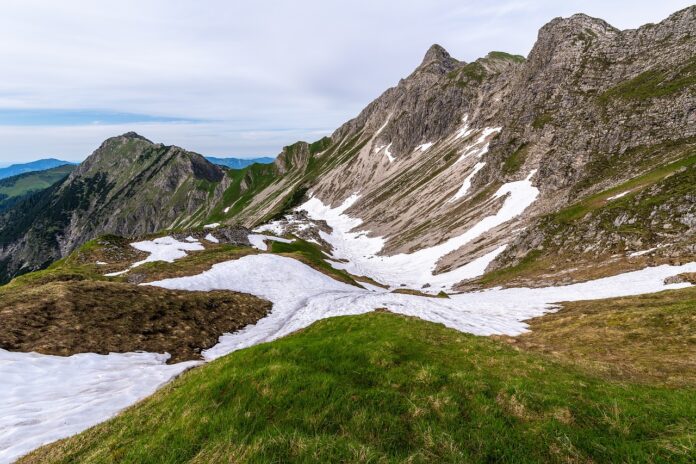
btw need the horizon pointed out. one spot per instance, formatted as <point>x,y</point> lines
<point>186,77</point>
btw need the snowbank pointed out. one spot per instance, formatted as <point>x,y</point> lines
<point>258,241</point>
<point>45,398</point>
<point>413,270</point>
<point>162,249</point>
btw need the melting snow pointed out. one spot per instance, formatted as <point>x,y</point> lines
<point>301,296</point>
<point>414,270</point>
<point>211,238</point>
<point>45,398</point>
<point>258,241</point>
<point>212,226</point>
<point>424,146</point>
<point>464,189</point>
<point>161,249</point>
<point>226,210</point>
<point>388,153</point>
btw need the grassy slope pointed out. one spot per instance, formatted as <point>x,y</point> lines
<point>385,388</point>
<point>24,184</point>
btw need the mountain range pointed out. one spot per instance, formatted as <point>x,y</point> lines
<point>238,163</point>
<point>596,122</point>
<point>38,165</point>
<point>492,262</point>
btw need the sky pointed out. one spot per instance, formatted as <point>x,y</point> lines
<point>237,78</point>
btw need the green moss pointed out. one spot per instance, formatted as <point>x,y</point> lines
<point>514,162</point>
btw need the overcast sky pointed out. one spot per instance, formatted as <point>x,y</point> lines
<point>237,78</point>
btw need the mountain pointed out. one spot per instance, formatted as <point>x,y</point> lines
<point>238,163</point>
<point>129,185</point>
<point>38,165</point>
<point>582,155</point>
<point>17,188</point>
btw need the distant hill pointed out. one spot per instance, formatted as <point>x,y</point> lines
<point>38,165</point>
<point>16,188</point>
<point>239,163</point>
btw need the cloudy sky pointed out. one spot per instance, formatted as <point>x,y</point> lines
<point>237,78</point>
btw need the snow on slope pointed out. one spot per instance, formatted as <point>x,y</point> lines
<point>162,249</point>
<point>466,185</point>
<point>45,398</point>
<point>302,295</point>
<point>413,270</point>
<point>258,241</point>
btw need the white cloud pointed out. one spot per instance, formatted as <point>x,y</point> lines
<point>252,67</point>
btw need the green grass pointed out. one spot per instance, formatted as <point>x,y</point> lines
<point>13,189</point>
<point>593,202</point>
<point>507,57</point>
<point>514,162</point>
<point>311,255</point>
<point>542,120</point>
<point>653,83</point>
<point>382,388</point>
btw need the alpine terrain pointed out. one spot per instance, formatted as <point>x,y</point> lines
<point>510,244</point>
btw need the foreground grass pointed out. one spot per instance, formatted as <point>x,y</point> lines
<point>386,388</point>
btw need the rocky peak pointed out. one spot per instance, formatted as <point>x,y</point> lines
<point>132,135</point>
<point>437,60</point>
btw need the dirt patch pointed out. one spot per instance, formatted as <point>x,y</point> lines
<point>65,318</point>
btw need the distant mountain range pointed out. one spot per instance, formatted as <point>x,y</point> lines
<point>17,188</point>
<point>38,165</point>
<point>239,163</point>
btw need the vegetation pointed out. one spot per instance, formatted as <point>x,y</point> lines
<point>386,388</point>
<point>542,120</point>
<point>514,162</point>
<point>15,189</point>
<point>311,255</point>
<point>507,57</point>
<point>593,202</point>
<point>653,83</point>
<point>645,339</point>
<point>64,317</point>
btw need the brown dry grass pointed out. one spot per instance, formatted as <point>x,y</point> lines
<point>68,317</point>
<point>649,338</point>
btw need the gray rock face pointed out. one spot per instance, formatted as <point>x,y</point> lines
<point>128,186</point>
<point>589,109</point>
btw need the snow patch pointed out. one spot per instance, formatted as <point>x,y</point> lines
<point>45,398</point>
<point>226,210</point>
<point>616,197</point>
<point>212,226</point>
<point>388,153</point>
<point>258,241</point>
<point>641,253</point>
<point>211,238</point>
<point>161,249</point>
<point>464,189</point>
<point>424,146</point>
<point>301,296</point>
<point>413,270</point>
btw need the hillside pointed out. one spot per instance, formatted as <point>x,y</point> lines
<point>590,136</point>
<point>385,388</point>
<point>19,187</point>
<point>39,165</point>
<point>128,186</point>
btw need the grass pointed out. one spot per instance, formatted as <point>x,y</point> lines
<point>311,255</point>
<point>593,202</point>
<point>645,339</point>
<point>653,83</point>
<point>514,162</point>
<point>383,388</point>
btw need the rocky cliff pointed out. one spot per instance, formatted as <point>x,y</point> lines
<point>603,120</point>
<point>128,186</point>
